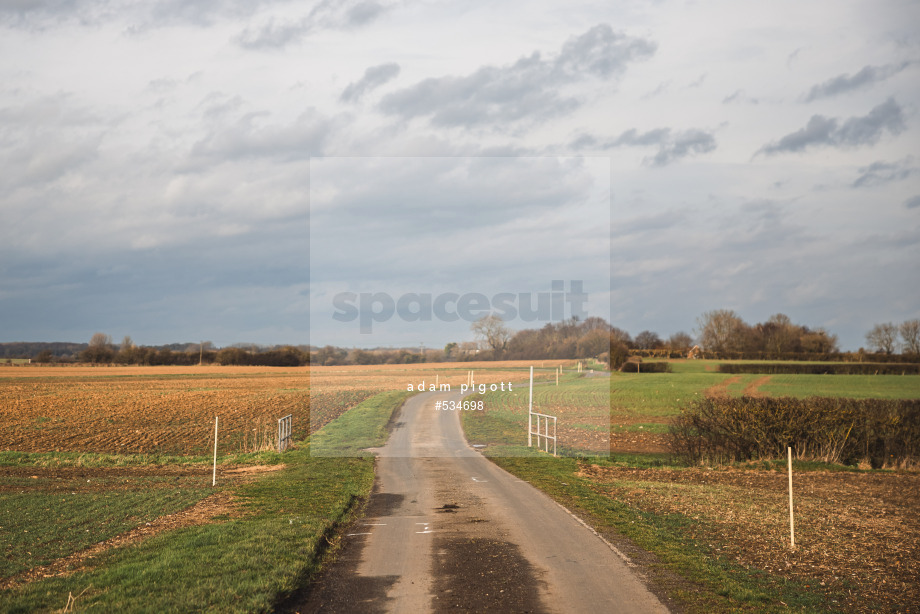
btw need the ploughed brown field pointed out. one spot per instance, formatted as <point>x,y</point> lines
<point>171,410</point>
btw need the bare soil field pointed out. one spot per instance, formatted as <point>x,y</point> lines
<point>146,410</point>
<point>857,534</point>
<point>171,410</point>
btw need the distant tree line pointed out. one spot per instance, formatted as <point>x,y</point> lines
<point>720,333</point>
<point>723,332</point>
<point>101,350</point>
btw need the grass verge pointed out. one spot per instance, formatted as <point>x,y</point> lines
<point>708,582</point>
<point>361,427</point>
<point>244,564</point>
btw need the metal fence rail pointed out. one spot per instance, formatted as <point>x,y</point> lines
<point>284,432</point>
<point>545,433</point>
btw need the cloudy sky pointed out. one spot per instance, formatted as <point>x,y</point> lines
<point>166,164</point>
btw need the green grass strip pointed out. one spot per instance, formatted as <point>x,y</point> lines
<point>247,564</point>
<point>364,426</point>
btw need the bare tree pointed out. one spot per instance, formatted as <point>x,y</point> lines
<point>680,341</point>
<point>593,343</point>
<point>910,335</point>
<point>126,351</point>
<point>99,350</point>
<point>99,340</point>
<point>818,341</point>
<point>621,336</point>
<point>883,338</point>
<point>721,330</point>
<point>780,334</point>
<point>492,330</point>
<point>648,340</point>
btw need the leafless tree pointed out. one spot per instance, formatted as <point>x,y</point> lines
<point>680,341</point>
<point>99,350</point>
<point>648,340</point>
<point>99,340</point>
<point>593,343</point>
<point>780,334</point>
<point>721,330</point>
<point>910,335</point>
<point>883,338</point>
<point>492,330</point>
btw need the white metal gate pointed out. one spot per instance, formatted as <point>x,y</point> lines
<point>544,434</point>
<point>284,432</point>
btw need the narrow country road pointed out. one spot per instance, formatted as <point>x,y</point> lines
<point>447,530</point>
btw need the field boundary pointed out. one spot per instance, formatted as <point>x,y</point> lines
<point>196,514</point>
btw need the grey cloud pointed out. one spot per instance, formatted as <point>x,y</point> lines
<point>913,202</point>
<point>881,172</point>
<point>46,138</point>
<point>661,89</point>
<point>829,132</point>
<point>374,77</point>
<point>363,13</point>
<point>672,146</point>
<point>529,88</point>
<point>584,141</point>
<point>684,144</point>
<point>274,35</point>
<point>819,130</point>
<point>739,96</point>
<point>217,105</point>
<point>646,225</point>
<point>35,14</point>
<point>246,139</point>
<point>633,137</point>
<point>38,14</point>
<point>328,14</point>
<point>846,83</point>
<point>867,130</point>
<point>601,52</point>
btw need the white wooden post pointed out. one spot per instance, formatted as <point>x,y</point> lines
<point>530,412</point>
<point>214,476</point>
<point>791,518</point>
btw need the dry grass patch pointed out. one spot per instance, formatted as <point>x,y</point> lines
<point>857,534</point>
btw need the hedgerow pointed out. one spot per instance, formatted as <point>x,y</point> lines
<point>882,432</point>
<point>646,367</point>
<point>835,368</point>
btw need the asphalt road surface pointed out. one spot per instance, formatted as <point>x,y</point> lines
<point>447,530</point>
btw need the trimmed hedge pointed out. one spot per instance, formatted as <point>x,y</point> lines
<point>812,356</point>
<point>834,368</point>
<point>834,430</point>
<point>646,367</point>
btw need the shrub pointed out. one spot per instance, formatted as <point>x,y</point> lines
<point>619,354</point>
<point>646,367</point>
<point>834,430</point>
<point>835,368</point>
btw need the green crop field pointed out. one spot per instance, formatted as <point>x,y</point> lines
<point>581,405</point>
